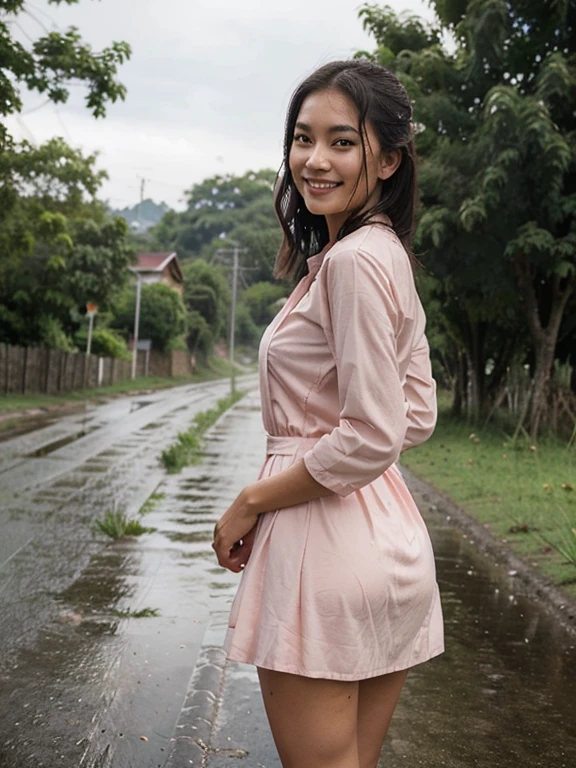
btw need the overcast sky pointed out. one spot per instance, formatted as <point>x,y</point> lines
<point>208,84</point>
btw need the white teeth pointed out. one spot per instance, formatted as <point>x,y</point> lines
<point>316,185</point>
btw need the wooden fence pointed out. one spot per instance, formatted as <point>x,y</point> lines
<point>50,371</point>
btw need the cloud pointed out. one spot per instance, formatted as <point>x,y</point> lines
<point>208,84</point>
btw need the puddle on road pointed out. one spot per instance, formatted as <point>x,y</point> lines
<point>111,452</point>
<point>189,536</point>
<point>70,482</point>
<point>503,692</point>
<point>195,497</point>
<point>136,405</point>
<point>49,448</point>
<point>94,468</point>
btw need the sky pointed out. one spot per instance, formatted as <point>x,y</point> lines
<point>208,84</point>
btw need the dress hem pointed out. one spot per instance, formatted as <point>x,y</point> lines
<point>326,675</point>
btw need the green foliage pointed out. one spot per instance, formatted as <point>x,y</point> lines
<point>495,135</point>
<point>260,300</point>
<point>520,492</point>
<point>200,339</point>
<point>53,62</point>
<point>247,332</point>
<point>239,206</point>
<point>58,248</point>
<point>151,503</point>
<point>206,292</point>
<point>105,343</point>
<point>162,314</point>
<point>51,264</point>
<point>187,449</point>
<point>116,525</point>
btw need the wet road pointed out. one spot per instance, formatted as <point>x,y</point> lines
<point>81,687</point>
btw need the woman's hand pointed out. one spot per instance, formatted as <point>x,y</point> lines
<point>234,534</point>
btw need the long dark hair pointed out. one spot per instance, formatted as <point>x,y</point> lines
<point>382,101</point>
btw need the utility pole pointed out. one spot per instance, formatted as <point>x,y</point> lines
<point>136,322</point>
<point>142,186</point>
<point>235,251</point>
<point>233,318</point>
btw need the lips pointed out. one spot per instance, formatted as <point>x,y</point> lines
<point>326,185</point>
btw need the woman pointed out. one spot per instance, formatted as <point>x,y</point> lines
<point>338,598</point>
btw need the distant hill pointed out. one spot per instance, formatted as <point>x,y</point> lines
<point>143,215</point>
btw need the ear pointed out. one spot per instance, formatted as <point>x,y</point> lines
<point>389,162</point>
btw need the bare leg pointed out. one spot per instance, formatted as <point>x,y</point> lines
<point>377,699</point>
<point>313,721</point>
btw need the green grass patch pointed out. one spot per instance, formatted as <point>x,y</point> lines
<point>525,494</point>
<point>151,503</point>
<point>187,449</point>
<point>116,525</point>
<point>143,613</point>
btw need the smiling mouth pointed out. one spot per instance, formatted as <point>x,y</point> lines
<point>323,184</point>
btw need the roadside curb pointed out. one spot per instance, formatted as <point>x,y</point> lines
<point>192,740</point>
<point>554,601</point>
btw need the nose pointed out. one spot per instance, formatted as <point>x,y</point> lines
<point>318,159</point>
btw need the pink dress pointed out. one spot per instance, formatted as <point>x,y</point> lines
<point>344,587</point>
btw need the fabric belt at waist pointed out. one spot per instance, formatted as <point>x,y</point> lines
<point>287,445</point>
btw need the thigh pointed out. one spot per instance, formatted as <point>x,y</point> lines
<point>313,721</point>
<point>377,699</point>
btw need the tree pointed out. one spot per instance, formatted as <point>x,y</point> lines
<point>58,248</point>
<point>50,65</point>
<point>162,314</point>
<point>495,130</point>
<point>206,292</point>
<point>240,207</point>
<point>260,300</point>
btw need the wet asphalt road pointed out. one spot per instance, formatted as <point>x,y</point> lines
<point>81,687</point>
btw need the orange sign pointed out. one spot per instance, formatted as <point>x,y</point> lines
<point>91,308</point>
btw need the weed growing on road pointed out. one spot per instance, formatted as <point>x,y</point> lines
<point>143,613</point>
<point>151,503</point>
<point>188,447</point>
<point>116,525</point>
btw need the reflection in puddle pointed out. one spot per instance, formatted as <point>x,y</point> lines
<point>45,450</point>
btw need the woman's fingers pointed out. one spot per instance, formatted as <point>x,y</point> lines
<point>234,557</point>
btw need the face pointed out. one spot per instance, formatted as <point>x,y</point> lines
<point>326,159</point>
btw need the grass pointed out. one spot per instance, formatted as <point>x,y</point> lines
<point>143,613</point>
<point>117,525</point>
<point>525,494</point>
<point>187,449</point>
<point>151,503</point>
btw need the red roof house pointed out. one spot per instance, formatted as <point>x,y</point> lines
<point>160,268</point>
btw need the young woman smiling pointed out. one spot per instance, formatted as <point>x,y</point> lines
<point>338,597</point>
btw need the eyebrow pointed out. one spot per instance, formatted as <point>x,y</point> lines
<point>332,129</point>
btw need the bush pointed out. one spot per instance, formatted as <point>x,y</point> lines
<point>247,332</point>
<point>162,314</point>
<point>105,343</point>
<point>200,339</point>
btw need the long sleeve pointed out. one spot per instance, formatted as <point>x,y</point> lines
<point>420,395</point>
<point>364,324</point>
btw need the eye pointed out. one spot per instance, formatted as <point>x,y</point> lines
<point>300,138</point>
<point>344,143</point>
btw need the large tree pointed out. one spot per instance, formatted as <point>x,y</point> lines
<point>495,129</point>
<point>58,248</point>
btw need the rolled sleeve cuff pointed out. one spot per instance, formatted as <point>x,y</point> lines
<point>324,477</point>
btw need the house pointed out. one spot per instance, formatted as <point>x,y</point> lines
<point>160,268</point>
